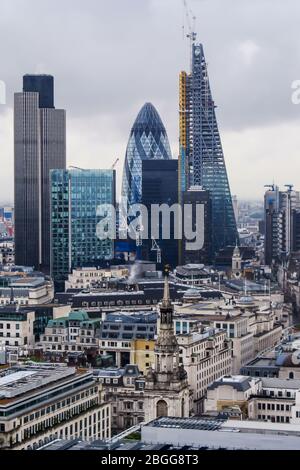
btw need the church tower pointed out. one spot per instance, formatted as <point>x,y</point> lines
<point>237,263</point>
<point>166,389</point>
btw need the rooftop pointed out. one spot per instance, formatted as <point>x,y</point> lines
<point>238,382</point>
<point>270,382</point>
<point>186,423</point>
<point>20,380</point>
<point>222,434</point>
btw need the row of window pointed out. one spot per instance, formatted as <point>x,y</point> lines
<point>60,404</point>
<point>273,407</point>
<point>7,335</point>
<point>82,429</point>
<point>274,419</point>
<point>8,326</point>
<point>119,303</point>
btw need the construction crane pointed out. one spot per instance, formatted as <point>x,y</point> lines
<point>76,168</point>
<point>156,247</point>
<point>270,186</point>
<point>115,164</point>
<point>139,238</point>
<point>192,35</point>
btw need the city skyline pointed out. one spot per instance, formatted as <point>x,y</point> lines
<point>149,228</point>
<point>102,105</point>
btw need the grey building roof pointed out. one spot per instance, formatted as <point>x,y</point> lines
<point>241,385</point>
<point>270,382</point>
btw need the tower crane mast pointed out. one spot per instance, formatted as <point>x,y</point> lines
<point>115,164</point>
<point>192,35</point>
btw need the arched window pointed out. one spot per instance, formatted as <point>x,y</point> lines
<point>161,409</point>
<point>182,408</point>
<point>291,375</point>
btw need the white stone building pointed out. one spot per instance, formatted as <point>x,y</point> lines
<point>42,402</point>
<point>86,278</point>
<point>205,357</point>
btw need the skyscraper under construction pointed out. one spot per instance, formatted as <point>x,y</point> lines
<point>201,159</point>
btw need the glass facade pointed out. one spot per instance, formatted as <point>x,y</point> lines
<point>148,141</point>
<point>201,159</point>
<point>43,85</point>
<point>160,186</point>
<point>75,198</point>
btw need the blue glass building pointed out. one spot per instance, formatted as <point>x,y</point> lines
<point>75,198</point>
<point>201,158</point>
<point>148,141</point>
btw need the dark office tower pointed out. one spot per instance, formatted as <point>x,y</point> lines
<point>296,229</point>
<point>160,186</point>
<point>201,159</point>
<point>43,85</point>
<point>40,145</point>
<point>191,198</point>
<point>148,141</point>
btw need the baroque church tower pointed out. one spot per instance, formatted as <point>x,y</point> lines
<point>166,389</point>
<point>237,271</point>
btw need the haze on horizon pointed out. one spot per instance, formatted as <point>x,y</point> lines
<point>109,58</point>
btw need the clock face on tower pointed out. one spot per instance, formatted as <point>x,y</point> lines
<point>197,51</point>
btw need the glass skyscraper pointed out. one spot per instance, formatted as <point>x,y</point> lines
<point>148,141</point>
<point>201,159</point>
<point>75,198</point>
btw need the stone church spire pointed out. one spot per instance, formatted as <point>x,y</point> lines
<point>166,388</point>
<point>166,309</point>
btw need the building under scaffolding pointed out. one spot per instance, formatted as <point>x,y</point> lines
<point>201,159</point>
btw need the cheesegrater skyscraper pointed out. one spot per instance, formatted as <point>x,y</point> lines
<point>201,159</point>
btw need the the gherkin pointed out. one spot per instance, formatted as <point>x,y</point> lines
<point>148,141</point>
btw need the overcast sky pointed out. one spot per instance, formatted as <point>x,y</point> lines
<point>110,56</point>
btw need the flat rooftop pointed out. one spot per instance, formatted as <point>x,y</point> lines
<point>186,423</point>
<point>222,434</point>
<point>18,381</point>
<point>262,362</point>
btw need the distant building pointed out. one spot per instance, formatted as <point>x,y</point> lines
<point>285,365</point>
<point>160,187</point>
<point>220,434</point>
<point>141,293</point>
<point>231,391</point>
<point>25,289</point>
<point>281,221</point>
<point>42,402</point>
<point>192,199</point>
<point>40,145</point>
<point>148,141</point>
<point>275,401</point>
<point>75,332</point>
<point>201,159</point>
<point>129,338</point>
<point>7,253</point>
<point>252,327</point>
<point>235,204</point>
<point>193,275</point>
<point>205,356</point>
<point>260,399</point>
<point>86,278</point>
<point>76,196</point>
<point>17,328</point>
<point>124,389</point>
